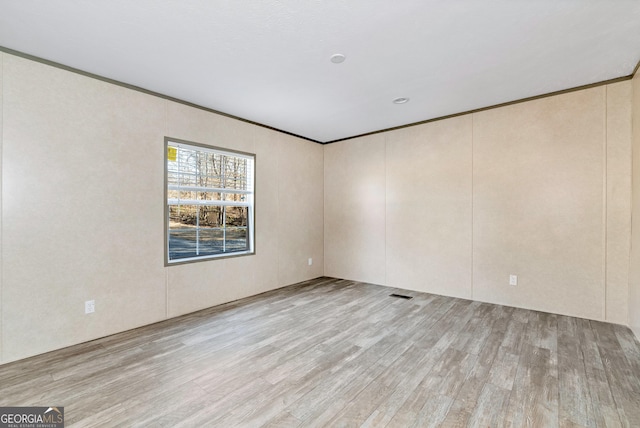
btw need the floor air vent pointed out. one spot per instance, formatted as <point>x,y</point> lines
<point>400,296</point>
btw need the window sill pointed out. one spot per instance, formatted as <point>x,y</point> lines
<point>209,258</point>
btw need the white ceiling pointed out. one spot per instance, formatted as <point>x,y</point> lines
<point>268,61</point>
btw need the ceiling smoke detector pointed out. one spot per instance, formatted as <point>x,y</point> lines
<point>401,100</point>
<point>337,58</point>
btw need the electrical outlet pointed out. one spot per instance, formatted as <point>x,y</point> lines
<point>89,306</point>
<point>513,279</point>
<point>310,261</point>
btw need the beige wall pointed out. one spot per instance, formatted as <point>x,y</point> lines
<point>428,239</point>
<point>354,243</point>
<point>634,271</point>
<point>537,189</point>
<point>618,201</point>
<point>82,210</point>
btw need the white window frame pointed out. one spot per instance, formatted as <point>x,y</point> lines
<point>250,202</point>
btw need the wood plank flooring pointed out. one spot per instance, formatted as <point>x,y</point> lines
<point>331,352</point>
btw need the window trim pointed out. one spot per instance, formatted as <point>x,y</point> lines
<point>252,213</point>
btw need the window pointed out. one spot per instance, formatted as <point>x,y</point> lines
<point>210,196</point>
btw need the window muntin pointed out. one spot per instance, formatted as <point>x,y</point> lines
<point>210,199</point>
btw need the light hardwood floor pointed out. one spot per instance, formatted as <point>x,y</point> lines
<point>332,352</point>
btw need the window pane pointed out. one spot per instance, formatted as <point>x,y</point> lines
<point>181,216</point>
<point>173,194</point>
<point>208,196</point>
<point>237,237</point>
<point>235,173</point>
<point>237,216</point>
<point>186,196</point>
<point>182,231</point>
<point>172,175</point>
<point>211,241</point>
<point>209,169</point>
<point>235,197</point>
<point>211,216</point>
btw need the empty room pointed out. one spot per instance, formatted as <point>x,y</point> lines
<point>320,214</point>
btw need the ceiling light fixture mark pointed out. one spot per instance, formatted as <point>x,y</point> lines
<point>401,100</point>
<point>337,58</point>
